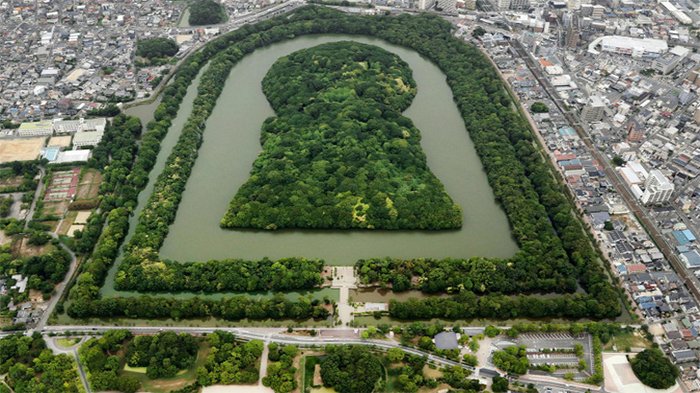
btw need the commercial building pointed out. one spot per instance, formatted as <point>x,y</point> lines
<point>520,5</point>
<point>666,63</point>
<point>503,5</point>
<point>593,110</point>
<point>470,5</point>
<point>635,47</point>
<point>676,13</point>
<point>598,12</point>
<point>658,189</point>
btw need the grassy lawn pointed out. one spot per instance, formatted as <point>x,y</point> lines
<point>624,341</point>
<point>307,365</point>
<point>164,385</point>
<point>139,370</point>
<point>67,342</point>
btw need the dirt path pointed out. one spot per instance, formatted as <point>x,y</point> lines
<point>263,364</point>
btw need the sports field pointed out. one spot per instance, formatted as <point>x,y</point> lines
<point>24,149</point>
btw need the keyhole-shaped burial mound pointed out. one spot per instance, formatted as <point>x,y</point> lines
<point>339,154</point>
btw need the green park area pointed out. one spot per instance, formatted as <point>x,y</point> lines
<point>348,94</point>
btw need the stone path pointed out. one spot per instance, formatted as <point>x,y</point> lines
<point>344,279</point>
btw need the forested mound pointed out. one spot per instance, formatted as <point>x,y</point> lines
<point>339,154</point>
<point>206,12</point>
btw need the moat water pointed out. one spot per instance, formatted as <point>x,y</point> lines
<point>232,142</point>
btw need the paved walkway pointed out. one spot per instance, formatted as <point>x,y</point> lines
<point>344,279</point>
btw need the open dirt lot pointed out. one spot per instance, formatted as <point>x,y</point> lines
<point>60,141</point>
<point>4,239</point>
<point>23,249</point>
<point>89,185</point>
<point>24,149</point>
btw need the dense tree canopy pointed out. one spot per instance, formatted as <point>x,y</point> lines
<point>480,275</point>
<point>550,236</point>
<point>539,107</point>
<point>654,369</point>
<point>44,271</point>
<point>339,154</point>
<point>206,12</point>
<point>153,48</point>
<point>230,362</point>
<point>512,360</point>
<point>100,357</point>
<point>351,369</point>
<point>163,355</point>
<point>280,372</point>
<point>231,275</point>
<point>32,368</point>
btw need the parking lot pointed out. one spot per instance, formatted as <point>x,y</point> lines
<point>537,342</point>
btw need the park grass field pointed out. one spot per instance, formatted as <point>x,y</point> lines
<point>164,385</point>
<point>307,365</point>
<point>67,342</point>
<point>627,340</point>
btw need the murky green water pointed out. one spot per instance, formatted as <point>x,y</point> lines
<point>231,144</point>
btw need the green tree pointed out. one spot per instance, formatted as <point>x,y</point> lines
<point>492,331</point>
<point>499,385</point>
<point>654,369</point>
<point>153,48</point>
<point>206,12</point>
<point>512,360</point>
<point>395,355</point>
<point>539,107</point>
<point>618,161</point>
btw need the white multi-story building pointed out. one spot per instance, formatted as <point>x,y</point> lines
<point>448,6</point>
<point>658,189</point>
<point>89,138</point>
<point>82,125</point>
<point>425,4</point>
<point>503,5</point>
<point>635,47</point>
<point>598,12</point>
<point>593,110</point>
<point>37,128</point>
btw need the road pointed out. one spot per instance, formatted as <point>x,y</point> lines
<point>265,335</point>
<point>58,291</point>
<point>224,28</point>
<point>268,335</point>
<point>635,207</point>
<point>383,344</point>
<point>37,195</point>
<point>73,351</point>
